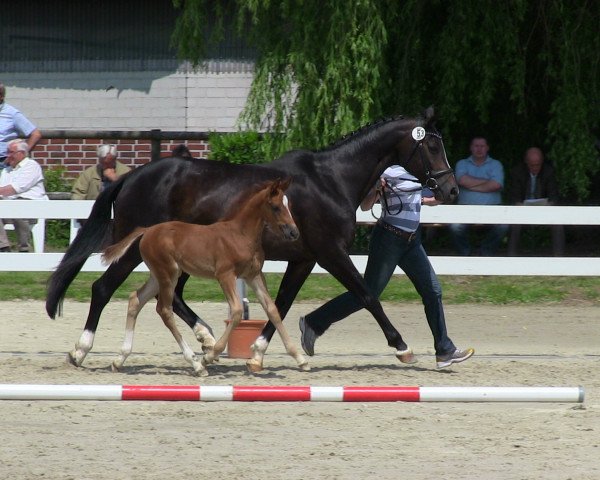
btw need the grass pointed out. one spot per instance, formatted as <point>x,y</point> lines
<point>321,287</point>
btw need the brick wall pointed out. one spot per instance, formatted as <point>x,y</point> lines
<point>78,154</point>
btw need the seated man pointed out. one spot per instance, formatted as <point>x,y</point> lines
<point>22,179</point>
<point>533,181</point>
<point>94,179</point>
<point>481,180</point>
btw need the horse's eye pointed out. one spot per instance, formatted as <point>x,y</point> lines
<point>433,147</point>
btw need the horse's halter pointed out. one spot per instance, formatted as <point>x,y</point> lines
<point>419,134</point>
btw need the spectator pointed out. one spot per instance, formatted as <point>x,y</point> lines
<point>181,150</point>
<point>14,124</point>
<point>21,179</point>
<point>94,179</point>
<point>481,180</point>
<point>533,182</point>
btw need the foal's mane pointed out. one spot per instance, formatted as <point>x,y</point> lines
<point>240,201</point>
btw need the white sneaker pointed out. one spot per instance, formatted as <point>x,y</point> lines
<point>455,357</point>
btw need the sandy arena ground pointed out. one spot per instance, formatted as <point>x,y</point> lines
<point>516,346</point>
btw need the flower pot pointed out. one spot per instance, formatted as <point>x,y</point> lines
<point>242,337</point>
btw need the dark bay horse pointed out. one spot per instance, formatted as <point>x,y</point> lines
<point>226,250</point>
<point>327,188</point>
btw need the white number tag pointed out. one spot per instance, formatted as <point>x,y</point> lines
<point>418,133</point>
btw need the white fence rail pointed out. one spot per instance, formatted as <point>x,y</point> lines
<point>444,265</point>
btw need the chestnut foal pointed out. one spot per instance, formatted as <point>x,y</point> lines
<point>225,250</point>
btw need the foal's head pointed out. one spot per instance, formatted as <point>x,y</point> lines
<point>276,209</point>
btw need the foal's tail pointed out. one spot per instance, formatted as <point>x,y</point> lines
<point>94,234</point>
<point>114,253</point>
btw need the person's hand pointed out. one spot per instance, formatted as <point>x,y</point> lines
<point>110,173</point>
<point>431,201</point>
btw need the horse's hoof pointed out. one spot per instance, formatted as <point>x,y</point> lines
<point>201,372</point>
<point>114,368</point>
<point>214,359</point>
<point>254,367</point>
<point>305,367</point>
<point>208,359</point>
<point>71,359</point>
<point>406,356</point>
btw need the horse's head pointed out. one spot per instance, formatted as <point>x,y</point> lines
<point>278,215</point>
<point>427,159</point>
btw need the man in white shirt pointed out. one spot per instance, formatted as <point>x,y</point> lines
<point>22,179</point>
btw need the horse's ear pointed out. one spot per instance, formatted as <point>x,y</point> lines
<point>429,115</point>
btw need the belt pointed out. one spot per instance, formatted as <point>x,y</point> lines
<point>408,236</point>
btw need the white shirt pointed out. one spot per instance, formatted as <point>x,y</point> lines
<point>26,178</point>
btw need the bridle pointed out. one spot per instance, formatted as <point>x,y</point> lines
<point>419,134</point>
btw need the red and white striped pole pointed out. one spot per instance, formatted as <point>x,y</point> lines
<point>270,393</point>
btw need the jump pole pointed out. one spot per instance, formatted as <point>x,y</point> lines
<point>269,393</point>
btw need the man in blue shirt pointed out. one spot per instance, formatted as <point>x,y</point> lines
<point>481,180</point>
<point>13,124</point>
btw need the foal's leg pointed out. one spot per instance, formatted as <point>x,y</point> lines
<point>227,283</point>
<point>164,307</point>
<point>137,300</point>
<point>259,286</point>
<point>201,329</point>
<point>294,277</point>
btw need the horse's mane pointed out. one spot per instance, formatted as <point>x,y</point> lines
<point>239,201</point>
<point>360,133</point>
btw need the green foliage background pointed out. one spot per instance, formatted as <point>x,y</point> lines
<point>521,72</point>
<point>57,231</point>
<point>238,147</point>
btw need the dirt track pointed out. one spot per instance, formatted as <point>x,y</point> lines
<point>545,346</point>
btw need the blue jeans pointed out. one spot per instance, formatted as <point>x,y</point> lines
<point>489,245</point>
<point>387,251</point>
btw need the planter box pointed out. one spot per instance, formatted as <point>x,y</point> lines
<point>242,337</point>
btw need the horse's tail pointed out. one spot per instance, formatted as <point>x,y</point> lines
<point>92,236</point>
<point>114,253</point>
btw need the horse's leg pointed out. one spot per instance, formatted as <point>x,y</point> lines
<point>137,300</point>
<point>102,291</point>
<point>164,307</point>
<point>201,329</point>
<point>227,283</point>
<point>293,279</point>
<point>345,272</point>
<point>259,286</point>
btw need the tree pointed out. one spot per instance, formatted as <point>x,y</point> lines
<point>520,72</point>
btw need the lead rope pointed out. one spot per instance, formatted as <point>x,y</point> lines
<point>385,205</point>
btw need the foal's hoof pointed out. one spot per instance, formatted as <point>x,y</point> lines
<point>208,350</point>
<point>406,356</point>
<point>254,366</point>
<point>305,367</point>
